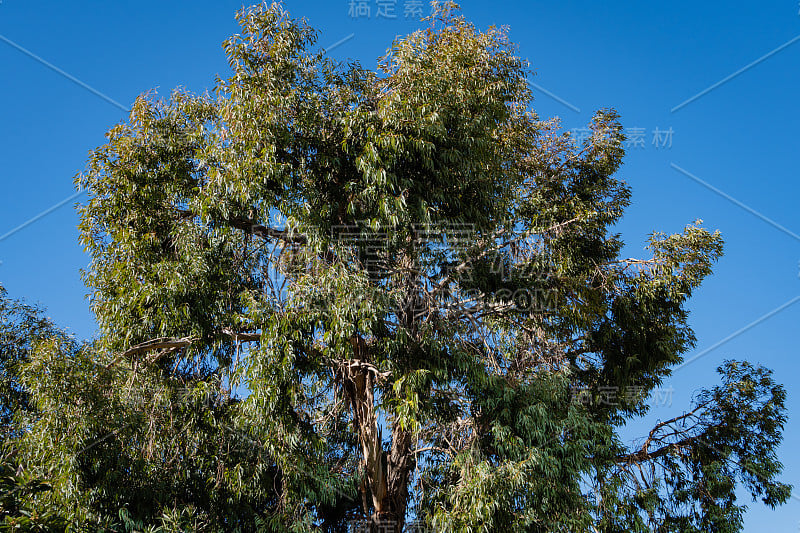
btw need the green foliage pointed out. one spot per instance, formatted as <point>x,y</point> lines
<point>128,445</point>
<point>699,458</point>
<point>17,488</point>
<point>21,327</point>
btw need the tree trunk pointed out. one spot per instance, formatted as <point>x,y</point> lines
<point>386,475</point>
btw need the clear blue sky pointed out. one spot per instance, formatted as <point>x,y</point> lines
<point>741,138</point>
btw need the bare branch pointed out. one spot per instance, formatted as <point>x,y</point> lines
<point>644,453</point>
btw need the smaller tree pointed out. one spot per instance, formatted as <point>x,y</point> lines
<point>22,327</point>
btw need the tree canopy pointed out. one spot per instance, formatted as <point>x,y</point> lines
<point>329,294</point>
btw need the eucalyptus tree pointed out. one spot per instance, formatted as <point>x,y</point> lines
<point>22,327</point>
<point>395,290</point>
